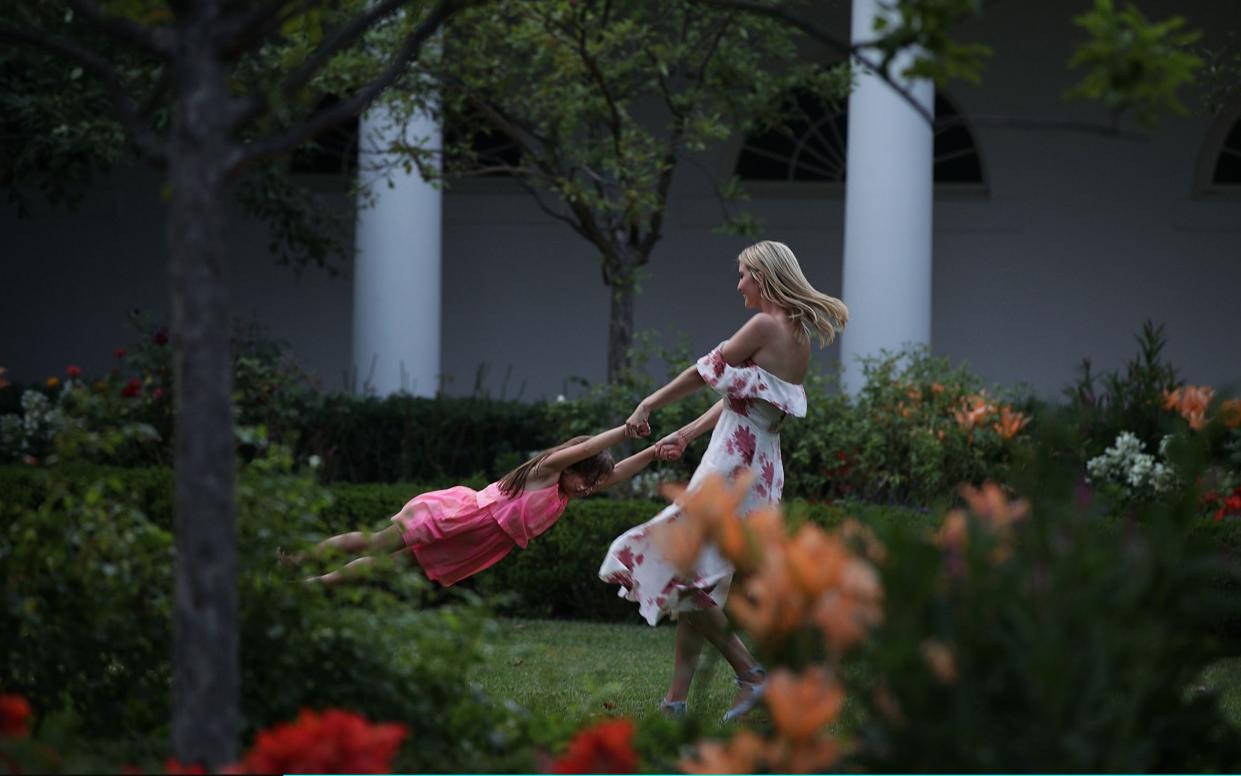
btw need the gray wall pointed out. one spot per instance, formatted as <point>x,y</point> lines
<point>1078,239</point>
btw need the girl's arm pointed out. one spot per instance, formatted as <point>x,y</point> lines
<point>678,440</point>
<point>628,467</point>
<point>557,461</point>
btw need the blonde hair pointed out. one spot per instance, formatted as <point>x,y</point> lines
<point>782,282</point>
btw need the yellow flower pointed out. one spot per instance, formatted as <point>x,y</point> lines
<point>739,755</point>
<point>801,705</point>
<point>769,604</point>
<point>1230,413</point>
<point>991,504</point>
<point>816,559</point>
<point>939,658</point>
<point>53,382</point>
<point>1009,423</point>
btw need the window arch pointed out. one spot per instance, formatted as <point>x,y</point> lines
<point>1219,163</point>
<point>811,146</point>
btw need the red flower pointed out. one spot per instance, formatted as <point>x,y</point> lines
<point>14,713</point>
<point>73,372</point>
<point>332,742</point>
<point>603,748</point>
<point>119,352</point>
<point>160,337</point>
<point>178,769</point>
<point>132,388</point>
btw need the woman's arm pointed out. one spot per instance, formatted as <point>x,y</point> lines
<point>678,440</point>
<point>557,461</point>
<point>681,386</point>
<point>750,338</point>
<point>628,467</point>
<point>738,349</point>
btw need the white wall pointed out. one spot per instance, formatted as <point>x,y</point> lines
<point>1080,239</point>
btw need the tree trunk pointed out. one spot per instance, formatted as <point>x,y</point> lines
<point>620,326</point>
<point>206,684</point>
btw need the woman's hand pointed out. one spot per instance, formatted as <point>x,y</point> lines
<point>638,424</point>
<point>671,447</point>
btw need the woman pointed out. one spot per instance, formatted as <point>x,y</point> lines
<point>759,371</point>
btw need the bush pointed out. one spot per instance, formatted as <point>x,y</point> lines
<point>918,429</point>
<point>404,438</point>
<point>85,625</point>
<point>1034,633</point>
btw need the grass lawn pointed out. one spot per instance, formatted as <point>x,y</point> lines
<point>584,668</point>
<point>579,669</point>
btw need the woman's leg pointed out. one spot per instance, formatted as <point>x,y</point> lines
<point>688,648</point>
<point>713,626</point>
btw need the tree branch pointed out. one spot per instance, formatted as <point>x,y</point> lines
<point>147,142</point>
<point>153,40</point>
<point>832,42</point>
<point>355,105</point>
<point>246,30</point>
<point>257,105</point>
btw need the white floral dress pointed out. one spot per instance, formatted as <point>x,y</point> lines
<point>746,438</point>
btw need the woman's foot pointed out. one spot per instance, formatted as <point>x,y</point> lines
<point>673,709</point>
<point>750,687</point>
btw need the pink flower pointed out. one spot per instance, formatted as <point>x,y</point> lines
<point>160,337</point>
<point>743,443</point>
<point>158,393</point>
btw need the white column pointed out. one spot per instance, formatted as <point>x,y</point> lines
<point>888,200</point>
<point>397,264</point>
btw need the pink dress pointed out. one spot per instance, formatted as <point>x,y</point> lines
<point>746,438</point>
<point>458,532</point>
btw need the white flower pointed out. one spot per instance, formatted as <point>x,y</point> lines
<point>314,461</point>
<point>560,397</point>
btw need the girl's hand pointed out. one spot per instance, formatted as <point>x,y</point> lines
<point>671,447</point>
<point>638,424</point>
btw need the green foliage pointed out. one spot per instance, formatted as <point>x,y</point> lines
<point>1130,399</point>
<point>367,439</point>
<point>923,27</point>
<point>85,625</point>
<point>1077,643</point>
<point>1132,63</point>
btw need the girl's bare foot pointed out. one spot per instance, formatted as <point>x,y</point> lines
<point>288,560</point>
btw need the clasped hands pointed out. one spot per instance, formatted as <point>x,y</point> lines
<point>670,448</point>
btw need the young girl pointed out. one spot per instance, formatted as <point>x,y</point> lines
<point>456,533</point>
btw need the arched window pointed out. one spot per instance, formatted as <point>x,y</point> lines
<point>811,146</point>
<point>1219,164</point>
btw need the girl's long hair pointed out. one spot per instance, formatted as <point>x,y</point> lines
<point>594,468</point>
<point>783,283</point>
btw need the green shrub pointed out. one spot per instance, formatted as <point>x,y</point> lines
<point>85,625</point>
<point>1078,647</point>
<point>900,440</point>
<point>404,438</point>
<point>1131,399</point>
